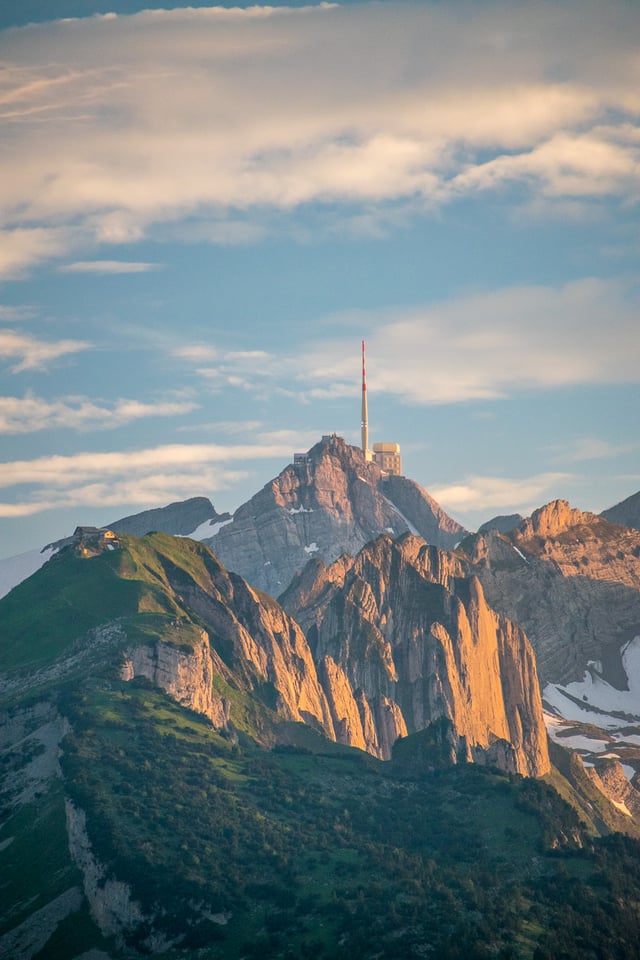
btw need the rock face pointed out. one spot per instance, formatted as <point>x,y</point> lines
<point>607,774</point>
<point>333,503</point>
<point>626,513</point>
<point>402,640</point>
<point>180,518</point>
<point>186,675</point>
<point>571,579</point>
<point>393,640</point>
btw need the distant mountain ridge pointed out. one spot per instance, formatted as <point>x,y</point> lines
<point>181,518</point>
<point>627,512</point>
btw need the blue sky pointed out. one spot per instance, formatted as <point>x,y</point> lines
<point>204,210</point>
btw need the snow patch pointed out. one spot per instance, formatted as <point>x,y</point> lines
<point>579,742</point>
<point>208,529</point>
<point>300,509</point>
<point>14,570</point>
<point>411,527</point>
<point>600,695</point>
<point>312,548</point>
<point>520,553</point>
<point>628,771</point>
<point>631,739</point>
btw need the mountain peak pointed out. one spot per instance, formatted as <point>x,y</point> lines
<point>331,500</point>
<point>552,519</point>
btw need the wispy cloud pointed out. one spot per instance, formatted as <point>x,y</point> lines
<point>21,248</point>
<point>149,476</point>
<point>32,353</point>
<point>107,266</point>
<point>484,346</point>
<point>200,352</point>
<point>501,493</point>
<point>15,314</point>
<point>30,413</point>
<point>427,107</point>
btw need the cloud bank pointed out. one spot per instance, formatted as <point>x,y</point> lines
<point>211,113</point>
<point>150,476</point>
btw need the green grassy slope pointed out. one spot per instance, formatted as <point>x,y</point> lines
<point>42,618</point>
<point>308,850</point>
<point>333,854</point>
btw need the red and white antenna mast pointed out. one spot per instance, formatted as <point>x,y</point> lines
<point>365,413</point>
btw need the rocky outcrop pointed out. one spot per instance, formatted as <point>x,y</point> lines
<point>28,938</point>
<point>553,518</point>
<point>399,633</point>
<point>626,513</point>
<point>110,901</point>
<point>572,580</point>
<point>332,503</point>
<point>607,774</point>
<point>185,675</point>
<point>29,750</point>
<point>180,518</point>
<point>250,642</point>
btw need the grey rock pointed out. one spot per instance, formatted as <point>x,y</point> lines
<point>627,512</point>
<point>180,518</point>
<point>333,503</point>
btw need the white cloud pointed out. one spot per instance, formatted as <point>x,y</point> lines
<point>498,493</point>
<point>209,115</point>
<point>107,266</point>
<point>146,477</point>
<point>29,414</point>
<point>196,351</point>
<point>485,346</point>
<point>32,353</point>
<point>20,247</point>
<point>59,471</point>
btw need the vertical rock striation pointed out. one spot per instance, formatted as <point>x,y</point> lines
<point>399,633</point>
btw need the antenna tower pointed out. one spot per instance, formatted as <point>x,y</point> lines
<point>365,413</point>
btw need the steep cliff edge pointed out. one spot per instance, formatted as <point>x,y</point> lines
<point>402,635</point>
<point>572,580</point>
<point>332,503</point>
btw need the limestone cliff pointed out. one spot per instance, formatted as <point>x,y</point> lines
<point>332,503</point>
<point>398,632</point>
<point>185,675</point>
<point>248,640</point>
<point>608,776</point>
<point>572,580</point>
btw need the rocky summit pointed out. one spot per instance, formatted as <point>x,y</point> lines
<point>331,502</point>
<point>570,579</point>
